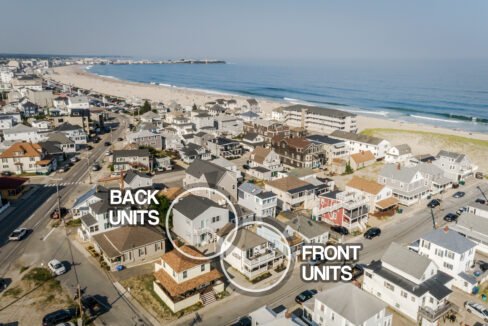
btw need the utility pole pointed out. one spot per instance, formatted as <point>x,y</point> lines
<point>433,217</point>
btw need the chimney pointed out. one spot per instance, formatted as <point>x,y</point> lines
<point>399,166</point>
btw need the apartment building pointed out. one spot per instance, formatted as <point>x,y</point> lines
<point>146,138</point>
<point>298,152</point>
<point>320,120</point>
<point>23,158</point>
<point>358,143</point>
<point>291,191</point>
<point>224,147</point>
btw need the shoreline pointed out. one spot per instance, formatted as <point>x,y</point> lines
<point>77,75</point>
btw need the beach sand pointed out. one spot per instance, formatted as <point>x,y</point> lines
<point>420,143</point>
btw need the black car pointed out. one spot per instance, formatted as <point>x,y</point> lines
<point>243,321</point>
<point>340,229</point>
<point>480,201</point>
<point>459,194</point>
<point>246,167</point>
<point>3,284</point>
<point>372,233</point>
<point>483,266</point>
<point>59,316</point>
<point>450,217</point>
<point>434,203</point>
<point>107,143</point>
<point>120,139</point>
<point>304,296</point>
<point>6,173</point>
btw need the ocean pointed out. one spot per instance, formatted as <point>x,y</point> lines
<point>451,94</point>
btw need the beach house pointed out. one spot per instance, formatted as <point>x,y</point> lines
<point>380,197</point>
<point>357,143</point>
<point>262,203</point>
<point>456,166</point>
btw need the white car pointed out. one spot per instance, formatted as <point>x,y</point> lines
<point>18,234</point>
<point>56,267</point>
<point>74,159</point>
<point>477,309</point>
<point>108,153</point>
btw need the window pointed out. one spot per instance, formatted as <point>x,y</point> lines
<point>389,286</point>
<point>448,266</point>
<point>202,268</point>
<point>185,274</point>
<point>403,294</point>
<point>450,254</point>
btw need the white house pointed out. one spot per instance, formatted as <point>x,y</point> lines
<point>345,304</point>
<point>411,284</point>
<point>407,183</point>
<point>266,158</point>
<point>73,132</point>
<point>251,254</point>
<point>134,180</point>
<point>380,197</point>
<point>478,209</point>
<point>474,228</point>
<point>22,132</point>
<point>456,166</point>
<point>262,203</point>
<point>265,316</point>
<point>78,102</point>
<point>291,191</point>
<point>181,282</point>
<point>196,220</point>
<point>398,154</point>
<point>452,253</point>
<point>358,143</point>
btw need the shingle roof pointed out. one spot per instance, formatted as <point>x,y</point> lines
<point>396,172</point>
<point>456,156</point>
<point>132,174</point>
<point>193,206</point>
<point>131,152</point>
<point>246,239</point>
<point>371,187</point>
<point>67,127</point>
<point>348,301</point>
<point>403,149</point>
<point>405,260</point>
<point>179,262</point>
<point>259,154</point>
<point>363,157</point>
<point>321,139</point>
<point>24,150</point>
<point>303,223</point>
<point>115,242</point>
<point>290,184</point>
<point>450,240</point>
<point>212,172</point>
<point>19,128</point>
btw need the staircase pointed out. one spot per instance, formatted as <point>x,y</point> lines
<point>208,297</point>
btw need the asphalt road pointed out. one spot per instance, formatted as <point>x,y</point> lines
<point>45,243</point>
<point>406,229</point>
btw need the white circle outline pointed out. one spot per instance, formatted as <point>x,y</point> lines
<point>282,276</point>
<point>189,191</point>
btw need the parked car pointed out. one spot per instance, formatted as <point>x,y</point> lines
<point>483,265</point>
<point>56,267</point>
<point>477,309</point>
<point>478,175</point>
<point>59,316</point>
<point>246,167</point>
<point>18,234</point>
<point>107,143</point>
<point>434,203</point>
<point>74,159</point>
<point>108,153</point>
<point>3,284</point>
<point>120,139</point>
<point>92,306</point>
<point>243,321</point>
<point>96,167</point>
<point>461,210</point>
<point>372,233</point>
<point>480,201</point>
<point>340,229</point>
<point>63,169</point>
<point>459,194</point>
<point>305,295</point>
<point>450,217</point>
<point>6,173</point>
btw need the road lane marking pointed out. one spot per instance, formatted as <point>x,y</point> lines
<point>47,235</point>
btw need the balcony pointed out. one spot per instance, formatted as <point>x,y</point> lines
<point>434,314</point>
<point>256,260</point>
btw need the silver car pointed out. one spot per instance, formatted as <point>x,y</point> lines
<point>476,309</point>
<point>18,234</point>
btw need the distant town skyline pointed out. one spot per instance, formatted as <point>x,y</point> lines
<point>267,30</point>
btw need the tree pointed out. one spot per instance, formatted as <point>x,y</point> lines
<point>194,107</point>
<point>162,207</point>
<point>349,169</point>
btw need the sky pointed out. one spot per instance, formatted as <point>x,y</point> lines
<point>250,29</point>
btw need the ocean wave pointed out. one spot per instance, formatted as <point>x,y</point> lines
<point>107,76</point>
<point>433,119</point>
<point>382,113</point>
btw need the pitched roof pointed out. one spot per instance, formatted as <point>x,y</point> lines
<point>193,206</point>
<point>348,301</point>
<point>290,184</point>
<point>356,137</point>
<point>131,152</point>
<point>303,223</point>
<point>60,138</point>
<point>362,157</point>
<point>405,260</point>
<point>19,128</point>
<point>456,156</point>
<point>176,289</point>
<point>397,172</point>
<point>450,240</point>
<point>371,187</point>
<point>259,154</point>
<point>179,262</point>
<point>403,149</point>
<point>24,150</point>
<point>132,174</point>
<point>295,142</point>
<point>67,127</point>
<point>246,239</point>
<point>212,172</point>
<point>115,242</point>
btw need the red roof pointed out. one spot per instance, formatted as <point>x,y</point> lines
<point>7,183</point>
